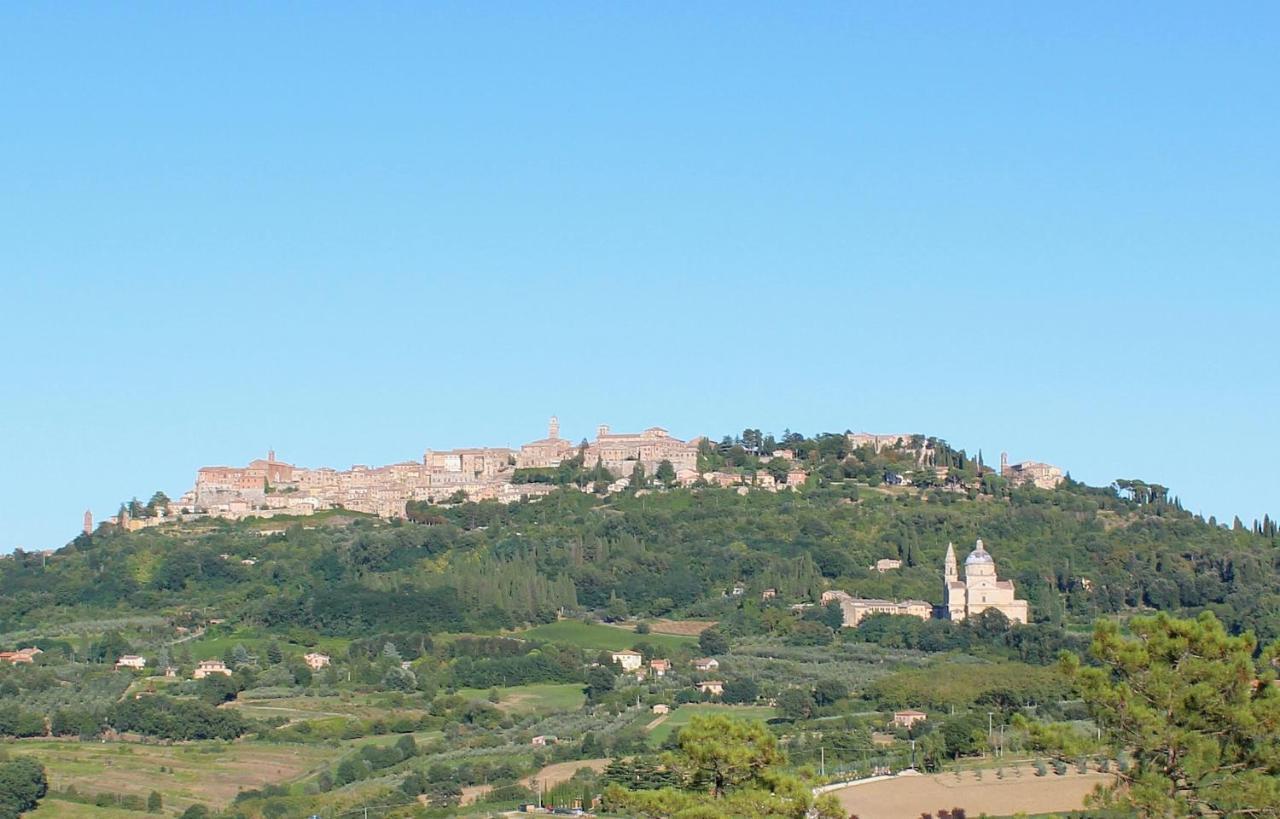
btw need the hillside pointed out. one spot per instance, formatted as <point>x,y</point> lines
<point>462,653</point>
<point>1075,553</point>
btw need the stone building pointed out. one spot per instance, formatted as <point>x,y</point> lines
<point>1042,475</point>
<point>482,462</point>
<point>546,452</point>
<point>981,588</point>
<point>620,451</point>
<point>854,609</point>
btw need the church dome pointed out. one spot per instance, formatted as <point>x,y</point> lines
<point>978,555</point>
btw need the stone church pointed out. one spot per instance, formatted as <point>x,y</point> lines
<point>980,589</point>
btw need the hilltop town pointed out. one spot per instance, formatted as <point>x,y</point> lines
<point>611,462</point>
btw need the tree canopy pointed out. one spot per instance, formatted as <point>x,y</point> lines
<point>1199,716</point>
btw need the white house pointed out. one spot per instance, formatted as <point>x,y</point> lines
<point>628,659</point>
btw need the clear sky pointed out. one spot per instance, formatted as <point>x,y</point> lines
<point>354,231</point>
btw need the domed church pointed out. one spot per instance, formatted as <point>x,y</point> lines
<point>980,589</point>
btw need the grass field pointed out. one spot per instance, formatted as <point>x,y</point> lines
<point>681,716</point>
<point>212,646</point>
<point>298,708</point>
<point>541,697</point>
<point>592,635</point>
<point>209,773</point>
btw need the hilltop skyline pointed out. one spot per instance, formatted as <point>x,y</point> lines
<point>352,234</point>
<point>993,460</point>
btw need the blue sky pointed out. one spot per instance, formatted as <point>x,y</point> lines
<point>352,232</point>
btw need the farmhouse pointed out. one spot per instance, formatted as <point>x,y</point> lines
<point>713,687</point>
<point>544,740</point>
<point>659,667</point>
<point>628,659</point>
<point>706,664</point>
<point>908,718</point>
<point>131,661</point>
<point>315,660</point>
<point>206,667</point>
<point>661,708</point>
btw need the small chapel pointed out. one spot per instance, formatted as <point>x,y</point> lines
<point>980,589</point>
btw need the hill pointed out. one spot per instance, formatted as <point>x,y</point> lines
<point>468,646</point>
<point>1075,553</point>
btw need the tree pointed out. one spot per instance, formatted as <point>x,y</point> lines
<point>829,691</point>
<point>600,681</point>
<point>725,752</point>
<point>665,473</point>
<point>22,785</point>
<point>832,616</point>
<point>1198,717</point>
<point>965,734</point>
<point>795,704</point>
<point>155,802</point>
<point>617,609</point>
<point>196,811</point>
<point>240,656</point>
<point>713,641</point>
<point>216,689</point>
<point>741,690</point>
<point>274,654</point>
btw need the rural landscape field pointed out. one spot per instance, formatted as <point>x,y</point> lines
<point>665,410</point>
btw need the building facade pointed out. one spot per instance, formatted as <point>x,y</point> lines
<point>1042,475</point>
<point>980,588</point>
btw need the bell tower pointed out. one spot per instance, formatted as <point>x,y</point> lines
<point>553,428</point>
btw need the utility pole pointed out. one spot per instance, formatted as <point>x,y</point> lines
<point>823,752</point>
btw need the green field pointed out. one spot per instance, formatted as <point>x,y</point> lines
<point>591,635</point>
<point>681,717</point>
<point>540,697</point>
<point>216,644</point>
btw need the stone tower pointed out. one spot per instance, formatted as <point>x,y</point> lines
<point>1004,466</point>
<point>553,429</point>
<point>949,572</point>
<point>88,522</point>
